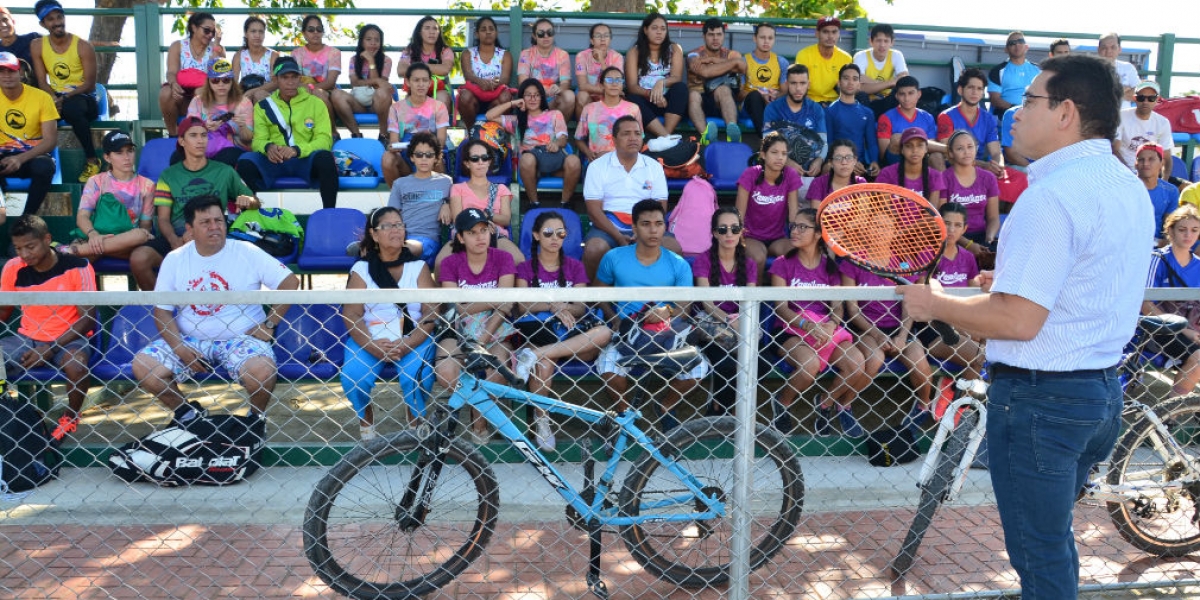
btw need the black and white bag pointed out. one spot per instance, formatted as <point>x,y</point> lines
<point>213,450</point>
<point>29,457</point>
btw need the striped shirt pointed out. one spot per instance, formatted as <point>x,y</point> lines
<point>1076,245</point>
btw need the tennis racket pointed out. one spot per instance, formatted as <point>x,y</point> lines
<point>888,230</point>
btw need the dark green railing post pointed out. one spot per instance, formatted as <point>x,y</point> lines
<point>147,25</point>
<point>515,27</point>
<point>1166,62</point>
<point>862,33</point>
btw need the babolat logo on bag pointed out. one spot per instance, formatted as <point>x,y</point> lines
<point>214,450</point>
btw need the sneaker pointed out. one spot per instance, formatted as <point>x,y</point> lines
<point>367,433</point>
<point>62,248</point>
<point>543,434</point>
<point>823,421</point>
<point>733,133</point>
<point>186,413</point>
<point>664,142</point>
<point>917,418</point>
<point>781,419</point>
<point>90,169</point>
<point>709,136</point>
<point>66,424</point>
<point>849,424</point>
<point>524,360</point>
<point>668,421</point>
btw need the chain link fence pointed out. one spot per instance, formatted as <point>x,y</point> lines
<point>89,534</point>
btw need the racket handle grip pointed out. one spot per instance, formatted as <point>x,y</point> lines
<point>949,335</point>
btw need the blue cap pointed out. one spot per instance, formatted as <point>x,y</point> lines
<point>48,7</point>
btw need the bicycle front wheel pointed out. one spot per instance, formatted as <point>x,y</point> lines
<point>1160,521</point>
<point>933,491</point>
<point>363,536</point>
<point>697,553</point>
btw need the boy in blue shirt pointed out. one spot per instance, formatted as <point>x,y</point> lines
<point>848,119</point>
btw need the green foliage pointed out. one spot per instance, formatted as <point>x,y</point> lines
<point>285,27</point>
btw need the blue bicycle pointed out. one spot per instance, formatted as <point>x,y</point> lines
<point>402,516</point>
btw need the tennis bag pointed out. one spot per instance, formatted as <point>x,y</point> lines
<point>275,230</point>
<point>29,457</point>
<point>804,144</point>
<point>887,446</point>
<point>212,450</point>
<point>681,161</point>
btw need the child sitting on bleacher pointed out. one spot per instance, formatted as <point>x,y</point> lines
<point>423,197</point>
<point>116,209</point>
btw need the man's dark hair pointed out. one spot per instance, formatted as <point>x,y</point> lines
<point>763,25</point>
<point>1091,83</point>
<point>200,204</point>
<point>883,28</point>
<point>645,206</point>
<point>29,225</point>
<point>848,67</point>
<point>711,24</point>
<point>972,73</point>
<point>908,81</point>
<point>1059,42</point>
<point>1113,35</point>
<point>616,126</point>
<point>796,69</point>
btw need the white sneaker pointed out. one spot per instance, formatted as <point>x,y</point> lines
<point>665,142</point>
<point>523,362</point>
<point>543,434</point>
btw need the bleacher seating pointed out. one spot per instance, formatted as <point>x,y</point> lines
<point>130,330</point>
<point>572,246</point>
<point>16,184</point>
<point>308,343</point>
<point>156,156</point>
<point>725,162</point>
<point>1178,167</point>
<point>368,149</point>
<point>328,232</point>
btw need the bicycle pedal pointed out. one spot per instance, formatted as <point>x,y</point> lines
<point>597,587</point>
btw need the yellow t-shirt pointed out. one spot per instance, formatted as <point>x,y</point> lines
<point>1190,195</point>
<point>21,128</point>
<point>763,76</point>
<point>64,71</point>
<point>823,73</point>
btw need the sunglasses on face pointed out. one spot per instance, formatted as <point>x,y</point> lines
<point>560,233</point>
<point>727,229</point>
<point>544,33</point>
<point>1150,98</point>
<point>479,158</point>
<point>216,80</point>
<point>618,80</point>
<point>424,154</point>
<point>1017,42</point>
<point>208,30</point>
<point>389,226</point>
<point>315,29</point>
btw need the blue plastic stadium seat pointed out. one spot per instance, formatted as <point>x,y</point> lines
<point>130,330</point>
<point>1181,138</point>
<point>102,102</point>
<point>725,163</point>
<point>328,232</point>
<point>308,342</point>
<point>108,264</point>
<point>156,156</point>
<point>1195,169</point>
<point>368,149</point>
<point>1178,167</point>
<point>572,246</point>
<point>15,184</point>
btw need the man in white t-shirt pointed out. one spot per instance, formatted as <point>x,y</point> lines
<point>199,337</point>
<point>614,183</point>
<point>882,66</point>
<point>1141,125</point>
<point>1109,49</point>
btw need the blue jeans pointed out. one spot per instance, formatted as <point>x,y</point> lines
<point>360,371</point>
<point>1045,431</point>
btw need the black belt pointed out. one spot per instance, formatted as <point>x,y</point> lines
<point>1011,371</point>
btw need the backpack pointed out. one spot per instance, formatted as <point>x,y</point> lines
<point>497,138</point>
<point>887,446</point>
<point>1183,113</point>
<point>212,450</point>
<point>931,100</point>
<point>691,221</point>
<point>275,230</point>
<point>681,161</point>
<point>350,164</point>
<point>804,144</point>
<point>29,457</point>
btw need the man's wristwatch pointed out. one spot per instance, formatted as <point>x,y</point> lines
<point>269,325</point>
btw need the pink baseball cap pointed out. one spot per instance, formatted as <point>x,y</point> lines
<point>913,133</point>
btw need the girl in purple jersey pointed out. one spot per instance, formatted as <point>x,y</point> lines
<point>914,172</point>
<point>976,189</point>
<point>552,331</point>
<point>476,264</point>
<point>882,331</point>
<point>843,157</point>
<point>811,335</point>
<point>724,265</point>
<point>768,197</point>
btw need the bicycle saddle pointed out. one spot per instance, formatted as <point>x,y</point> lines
<point>683,359</point>
<point>1162,324</point>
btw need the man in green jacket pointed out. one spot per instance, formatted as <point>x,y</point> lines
<point>292,138</point>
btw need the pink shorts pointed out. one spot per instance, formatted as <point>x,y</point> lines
<point>840,336</point>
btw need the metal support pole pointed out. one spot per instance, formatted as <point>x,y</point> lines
<point>745,409</point>
<point>1166,62</point>
<point>147,29</point>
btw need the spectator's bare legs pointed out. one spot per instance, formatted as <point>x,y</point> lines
<point>343,107</point>
<point>119,245</point>
<point>74,366</point>
<point>381,103</point>
<point>585,346</point>
<point>565,104</point>
<point>258,377</point>
<point>168,105</point>
<point>807,365</point>
<point>144,263</point>
<point>527,165</point>
<point>395,167</point>
<point>676,391</point>
<point>616,386</point>
<point>572,169</point>
<point>158,380</point>
<point>696,111</point>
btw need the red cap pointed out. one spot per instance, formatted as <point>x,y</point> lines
<point>1159,150</point>
<point>824,22</point>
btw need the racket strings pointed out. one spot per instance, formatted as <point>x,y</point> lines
<point>888,231</point>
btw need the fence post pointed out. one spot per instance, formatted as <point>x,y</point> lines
<point>745,409</point>
<point>862,30</point>
<point>515,27</point>
<point>1166,62</point>
<point>147,27</point>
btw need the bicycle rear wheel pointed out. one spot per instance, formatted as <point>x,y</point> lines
<point>933,491</point>
<point>1162,522</point>
<point>363,539</point>
<point>697,553</point>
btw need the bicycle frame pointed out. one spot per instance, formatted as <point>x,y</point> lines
<point>483,395</point>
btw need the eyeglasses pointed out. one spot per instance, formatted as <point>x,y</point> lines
<point>544,33</point>
<point>478,158</point>
<point>617,80</point>
<point>315,29</point>
<point>389,226</point>
<point>423,154</point>
<point>208,30</point>
<point>801,227</point>
<point>560,233</point>
<point>1029,98</point>
<point>847,158</point>
<point>1150,98</point>
<point>602,36</point>
<point>727,229</point>
<point>1016,42</point>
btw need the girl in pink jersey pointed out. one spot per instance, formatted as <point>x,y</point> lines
<point>487,69</point>
<point>593,133</point>
<point>811,335</point>
<point>977,190</point>
<point>543,140</point>
<point>429,46</point>
<point>550,66</point>
<point>411,114</point>
<point>768,197</point>
<point>320,63</point>
<point>590,64</point>
<point>724,265</point>
<point>122,183</point>
<point>843,158</point>
<point>914,172</point>
<point>478,192</point>
<point>370,91</point>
